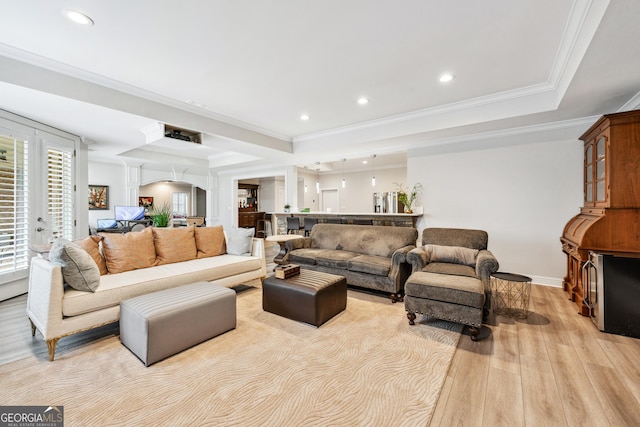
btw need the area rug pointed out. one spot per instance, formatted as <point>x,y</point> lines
<point>364,367</point>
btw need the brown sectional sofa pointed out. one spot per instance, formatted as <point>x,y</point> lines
<point>126,266</point>
<point>371,257</point>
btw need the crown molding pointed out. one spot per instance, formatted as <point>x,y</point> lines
<point>90,77</point>
<point>503,137</point>
<point>632,104</point>
<point>584,19</point>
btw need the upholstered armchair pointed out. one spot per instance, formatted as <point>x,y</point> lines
<point>451,277</point>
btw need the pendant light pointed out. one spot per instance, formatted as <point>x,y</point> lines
<point>373,168</point>
<point>344,181</point>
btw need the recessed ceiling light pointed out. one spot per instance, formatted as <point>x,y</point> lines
<point>446,77</point>
<point>363,101</point>
<point>304,117</point>
<point>77,17</point>
<point>364,162</point>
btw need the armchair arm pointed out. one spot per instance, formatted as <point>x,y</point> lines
<point>486,264</point>
<point>44,300</point>
<point>418,258</point>
<point>400,270</point>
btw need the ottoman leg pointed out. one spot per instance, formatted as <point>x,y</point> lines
<point>411,316</point>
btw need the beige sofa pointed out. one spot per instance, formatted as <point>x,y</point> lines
<point>371,257</point>
<point>133,264</point>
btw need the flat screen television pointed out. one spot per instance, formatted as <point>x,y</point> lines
<point>129,213</point>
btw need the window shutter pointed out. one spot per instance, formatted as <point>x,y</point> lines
<point>14,205</point>
<point>60,192</point>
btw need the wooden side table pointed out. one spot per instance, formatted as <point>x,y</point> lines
<point>510,294</point>
<point>282,239</point>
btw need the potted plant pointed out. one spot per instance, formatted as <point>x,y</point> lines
<point>287,207</point>
<point>407,198</point>
<point>161,215</point>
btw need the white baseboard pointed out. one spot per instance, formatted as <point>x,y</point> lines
<point>546,281</point>
<point>13,289</point>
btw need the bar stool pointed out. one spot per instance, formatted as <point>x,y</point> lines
<point>293,225</point>
<point>308,225</point>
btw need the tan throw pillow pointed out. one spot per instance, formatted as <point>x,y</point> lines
<point>91,245</point>
<point>79,270</point>
<point>210,241</point>
<point>174,244</point>
<point>128,251</point>
<point>452,254</point>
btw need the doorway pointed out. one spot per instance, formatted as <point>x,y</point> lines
<point>330,200</point>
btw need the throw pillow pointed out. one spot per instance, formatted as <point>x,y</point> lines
<point>452,254</point>
<point>210,241</point>
<point>174,244</point>
<point>128,251</point>
<point>79,270</point>
<point>239,241</point>
<point>91,245</point>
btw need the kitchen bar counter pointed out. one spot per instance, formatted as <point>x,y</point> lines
<point>386,219</point>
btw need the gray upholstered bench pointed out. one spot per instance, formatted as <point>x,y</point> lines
<point>160,324</point>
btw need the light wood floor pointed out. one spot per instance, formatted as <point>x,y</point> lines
<point>552,369</point>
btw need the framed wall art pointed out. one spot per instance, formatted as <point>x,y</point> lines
<point>98,197</point>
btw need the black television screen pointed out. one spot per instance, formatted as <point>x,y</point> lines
<point>129,213</point>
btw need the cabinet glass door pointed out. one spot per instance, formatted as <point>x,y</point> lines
<point>588,174</point>
<point>600,170</point>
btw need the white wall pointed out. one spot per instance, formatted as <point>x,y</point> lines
<point>357,196</point>
<point>112,175</point>
<point>522,195</point>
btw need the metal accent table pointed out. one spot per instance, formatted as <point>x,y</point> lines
<point>510,294</point>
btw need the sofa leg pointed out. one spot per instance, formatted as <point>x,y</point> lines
<point>474,332</point>
<point>51,345</point>
<point>411,316</point>
<point>396,298</point>
<point>33,328</point>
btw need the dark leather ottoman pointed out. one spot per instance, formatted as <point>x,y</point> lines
<point>312,296</point>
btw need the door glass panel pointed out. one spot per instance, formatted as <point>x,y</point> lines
<point>589,156</point>
<point>589,195</point>
<point>600,191</point>
<point>589,174</point>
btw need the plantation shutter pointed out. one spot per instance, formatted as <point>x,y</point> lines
<point>60,192</point>
<point>14,206</point>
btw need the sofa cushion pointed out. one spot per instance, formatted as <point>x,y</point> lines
<point>174,244</point>
<point>380,266</point>
<point>91,244</point>
<point>79,270</point>
<point>443,287</point>
<point>451,269</point>
<point>210,241</point>
<point>452,254</point>
<point>239,241</point>
<point>335,259</point>
<point>305,255</point>
<point>128,251</point>
<point>115,288</point>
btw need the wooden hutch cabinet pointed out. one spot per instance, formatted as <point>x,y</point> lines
<point>609,221</point>
<point>248,214</point>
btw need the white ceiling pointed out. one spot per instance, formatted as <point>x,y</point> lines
<point>243,72</point>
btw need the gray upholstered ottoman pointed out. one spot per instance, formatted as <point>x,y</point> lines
<point>312,296</point>
<point>160,324</point>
